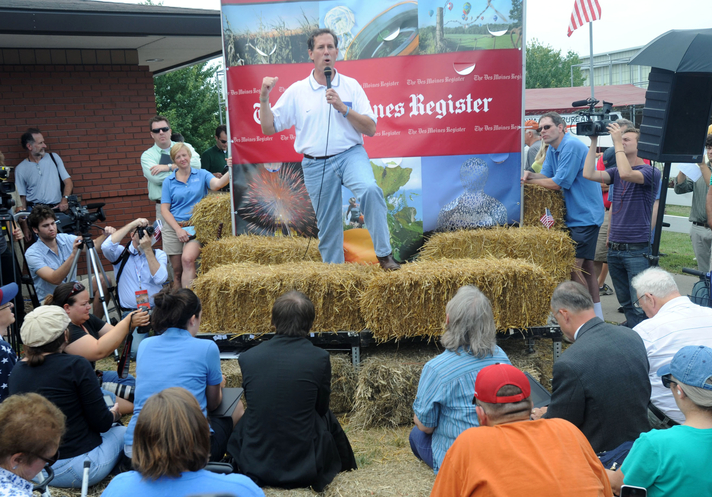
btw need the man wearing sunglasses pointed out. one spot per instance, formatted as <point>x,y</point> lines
<point>156,161</point>
<point>213,159</point>
<point>563,170</point>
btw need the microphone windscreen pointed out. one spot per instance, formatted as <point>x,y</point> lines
<point>579,103</point>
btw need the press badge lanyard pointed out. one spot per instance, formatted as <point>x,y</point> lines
<point>138,268</point>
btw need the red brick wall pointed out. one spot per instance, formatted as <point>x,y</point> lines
<point>96,118</point>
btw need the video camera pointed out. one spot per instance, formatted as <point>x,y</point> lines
<point>79,219</point>
<point>6,189</point>
<point>593,127</point>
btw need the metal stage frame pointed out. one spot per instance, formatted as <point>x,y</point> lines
<point>354,341</point>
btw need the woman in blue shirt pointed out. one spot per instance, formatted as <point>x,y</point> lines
<point>184,188</point>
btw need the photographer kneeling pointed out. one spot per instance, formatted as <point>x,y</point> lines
<point>94,339</point>
<point>140,271</point>
<point>50,257</point>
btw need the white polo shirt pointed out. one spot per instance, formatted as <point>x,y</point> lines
<point>303,105</point>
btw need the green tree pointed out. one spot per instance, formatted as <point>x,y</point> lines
<point>547,68</point>
<point>189,98</point>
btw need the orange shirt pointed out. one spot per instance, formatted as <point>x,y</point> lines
<point>547,457</point>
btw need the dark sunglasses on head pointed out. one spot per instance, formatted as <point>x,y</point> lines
<point>50,460</point>
<point>667,381</point>
<point>158,130</point>
<point>546,126</point>
<point>77,288</point>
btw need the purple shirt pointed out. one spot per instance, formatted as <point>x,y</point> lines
<point>632,205</point>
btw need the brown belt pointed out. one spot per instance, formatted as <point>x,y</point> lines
<point>183,224</point>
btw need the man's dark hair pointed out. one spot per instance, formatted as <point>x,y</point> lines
<point>293,314</point>
<point>319,32</point>
<point>177,137</point>
<point>28,138</point>
<point>220,130</point>
<point>40,213</point>
<point>158,119</point>
<point>555,117</point>
<point>708,141</point>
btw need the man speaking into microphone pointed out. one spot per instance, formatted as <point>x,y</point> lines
<point>331,113</point>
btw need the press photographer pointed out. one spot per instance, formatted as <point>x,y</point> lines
<point>50,259</point>
<point>140,271</point>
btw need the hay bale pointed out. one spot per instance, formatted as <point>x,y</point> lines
<point>552,249</point>
<point>238,298</point>
<point>386,390</point>
<point>232,373</point>
<point>536,200</point>
<point>207,216</point>
<point>412,477</point>
<point>411,302</point>
<point>343,384</point>
<point>259,250</point>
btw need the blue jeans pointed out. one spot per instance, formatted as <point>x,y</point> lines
<point>421,445</point>
<point>351,168</point>
<point>623,265</point>
<point>113,377</point>
<point>68,473</point>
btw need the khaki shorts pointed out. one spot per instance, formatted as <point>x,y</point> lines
<point>171,244</point>
<point>601,248</point>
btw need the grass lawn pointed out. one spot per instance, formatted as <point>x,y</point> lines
<point>677,210</point>
<point>679,252</point>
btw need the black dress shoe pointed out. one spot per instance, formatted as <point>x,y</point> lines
<point>388,263</point>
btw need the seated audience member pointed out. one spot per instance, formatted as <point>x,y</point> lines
<point>175,358</point>
<point>50,257</point>
<point>510,455</point>
<point>181,191</point>
<point>170,451</point>
<point>30,431</point>
<point>69,382</point>
<point>674,323</point>
<point>137,267</point>
<point>288,437</point>
<point>602,355</point>
<point>92,338</point>
<point>677,462</point>
<point>7,355</point>
<point>443,403</point>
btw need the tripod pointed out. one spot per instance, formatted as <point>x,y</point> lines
<point>13,337</point>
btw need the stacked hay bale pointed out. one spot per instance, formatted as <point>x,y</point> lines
<point>209,214</point>
<point>536,200</point>
<point>238,298</point>
<point>518,290</point>
<point>552,249</point>
<point>266,250</point>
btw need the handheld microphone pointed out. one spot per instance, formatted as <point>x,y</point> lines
<point>327,73</point>
<point>581,103</point>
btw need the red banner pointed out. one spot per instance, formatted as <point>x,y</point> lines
<point>456,103</point>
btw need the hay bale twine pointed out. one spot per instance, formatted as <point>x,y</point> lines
<point>411,302</point>
<point>552,249</point>
<point>343,384</point>
<point>259,250</point>
<point>536,200</point>
<point>207,216</point>
<point>238,298</point>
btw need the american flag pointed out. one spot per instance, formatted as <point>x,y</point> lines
<point>584,11</point>
<point>547,219</point>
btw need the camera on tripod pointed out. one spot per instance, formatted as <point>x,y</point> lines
<point>594,127</point>
<point>6,189</point>
<point>79,219</point>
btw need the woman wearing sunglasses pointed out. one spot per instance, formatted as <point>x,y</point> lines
<point>69,382</point>
<point>92,338</point>
<point>30,430</point>
<point>184,188</point>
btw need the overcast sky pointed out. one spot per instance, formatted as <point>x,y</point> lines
<point>624,23</point>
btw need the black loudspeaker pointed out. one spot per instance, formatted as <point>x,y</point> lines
<point>676,116</point>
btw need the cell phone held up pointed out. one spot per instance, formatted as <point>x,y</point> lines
<point>631,491</point>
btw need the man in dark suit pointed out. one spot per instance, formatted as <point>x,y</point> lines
<point>288,437</point>
<point>601,382</point>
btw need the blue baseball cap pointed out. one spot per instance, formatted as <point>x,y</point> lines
<point>7,293</point>
<point>692,365</point>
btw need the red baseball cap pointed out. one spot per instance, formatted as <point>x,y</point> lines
<point>490,379</point>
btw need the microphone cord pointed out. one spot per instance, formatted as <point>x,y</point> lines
<point>321,183</point>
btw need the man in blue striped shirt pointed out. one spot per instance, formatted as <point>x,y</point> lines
<point>443,405</point>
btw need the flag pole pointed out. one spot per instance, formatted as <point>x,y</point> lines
<point>590,47</point>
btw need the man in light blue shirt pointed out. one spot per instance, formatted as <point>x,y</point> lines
<point>563,170</point>
<point>136,268</point>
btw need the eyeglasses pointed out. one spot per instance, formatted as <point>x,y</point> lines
<point>223,142</point>
<point>667,381</point>
<point>158,130</point>
<point>636,304</point>
<point>546,126</point>
<point>77,288</point>
<point>50,461</point>
<point>9,304</point>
